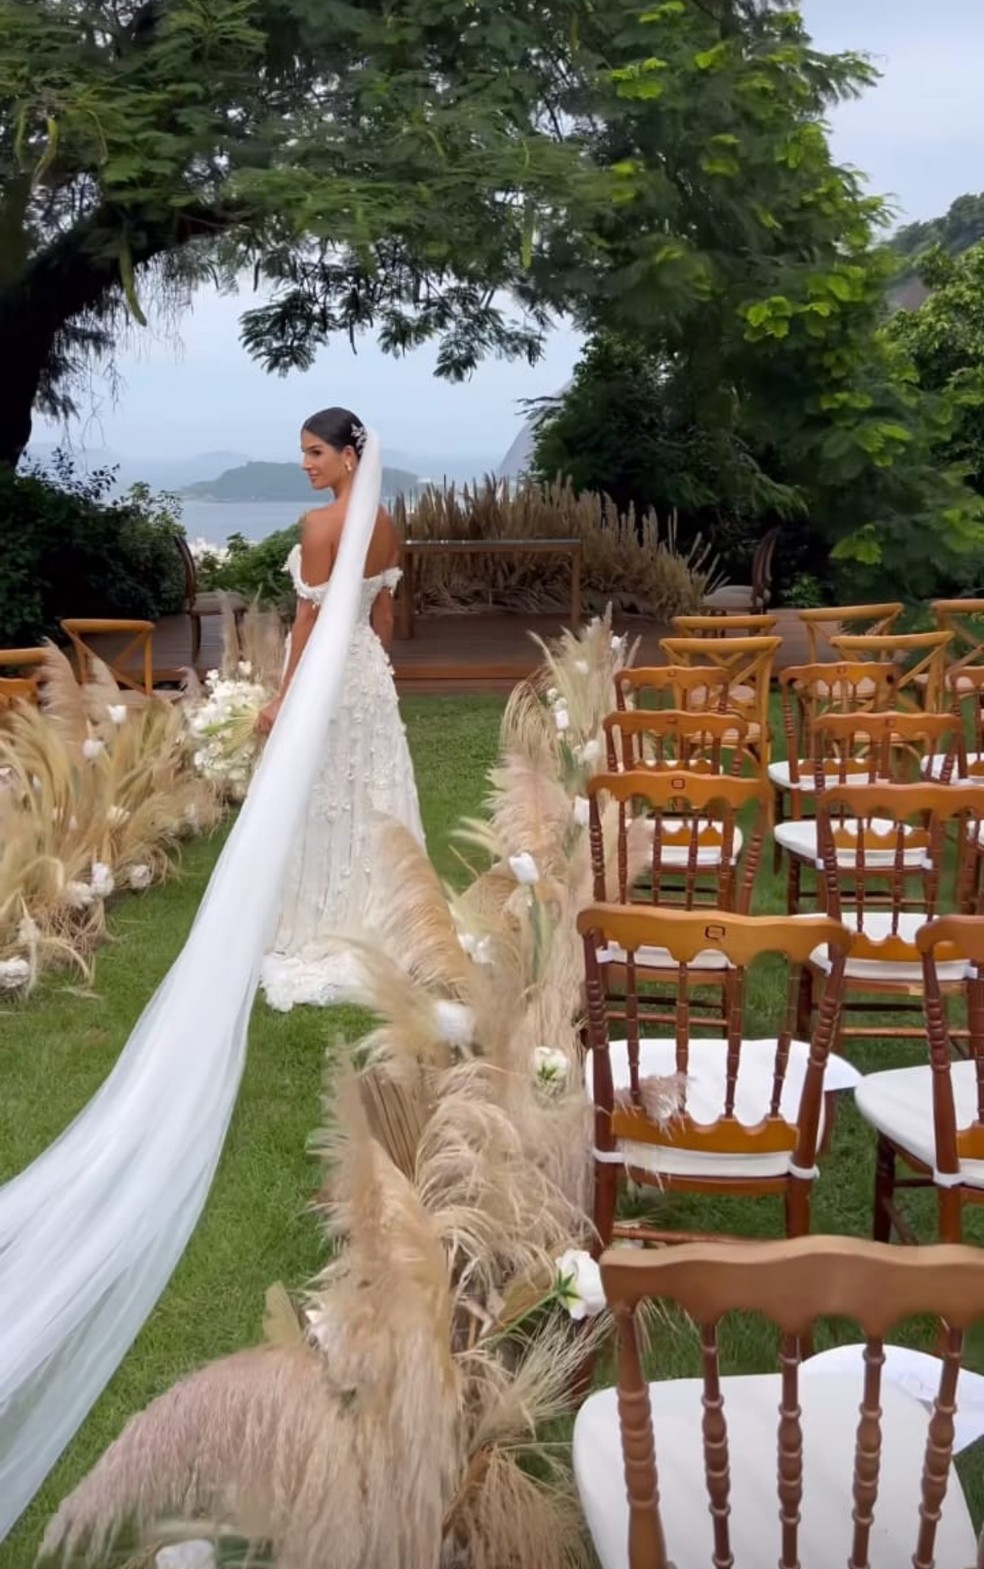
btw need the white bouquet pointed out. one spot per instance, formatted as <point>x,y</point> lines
<point>224,728</point>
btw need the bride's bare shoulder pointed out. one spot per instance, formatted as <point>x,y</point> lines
<point>320,529</point>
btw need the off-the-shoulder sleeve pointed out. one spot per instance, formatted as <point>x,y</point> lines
<point>313,593</point>
<point>390,579</point>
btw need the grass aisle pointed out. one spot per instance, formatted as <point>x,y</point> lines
<point>56,1050</point>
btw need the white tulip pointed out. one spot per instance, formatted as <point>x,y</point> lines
<point>103,882</point>
<point>14,973</point>
<point>550,1066</point>
<point>28,931</point>
<point>524,868</point>
<point>590,752</point>
<point>562,718</point>
<point>140,877</point>
<point>579,1284</point>
<point>117,713</point>
<point>581,666</point>
<point>92,748</point>
<point>581,811</point>
<point>79,896</point>
<point>455,1023</point>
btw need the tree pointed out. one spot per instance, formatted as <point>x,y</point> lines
<point>748,267</point>
<point>377,164</point>
<point>960,228</point>
<point>944,340</point>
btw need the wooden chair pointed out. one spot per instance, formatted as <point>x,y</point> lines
<point>922,656</point>
<point>747,662</point>
<point>132,667</point>
<point>751,1114</point>
<point>673,738</point>
<point>686,688</point>
<point>963,619</point>
<point>723,626</point>
<point>210,603</point>
<point>826,622</point>
<point>862,749</point>
<point>806,692</point>
<point>783,1468</point>
<point>964,688</point>
<point>747,598</point>
<point>931,1117</point>
<point>19,686</point>
<point>877,842</point>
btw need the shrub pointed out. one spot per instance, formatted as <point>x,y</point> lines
<point>254,570</point>
<point>68,551</point>
<point>632,563</point>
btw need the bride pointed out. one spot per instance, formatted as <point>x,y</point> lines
<point>365,766</point>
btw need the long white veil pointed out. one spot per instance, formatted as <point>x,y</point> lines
<point>92,1231</point>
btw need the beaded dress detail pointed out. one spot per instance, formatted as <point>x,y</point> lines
<point>365,773</point>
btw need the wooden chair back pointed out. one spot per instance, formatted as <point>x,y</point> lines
<point>684,935</point>
<point>964,620</point>
<point>826,622</point>
<point>692,821</point>
<point>807,691</point>
<point>954,939</point>
<point>873,835</point>
<point>132,665</point>
<point>793,1284</point>
<point>865,747</point>
<point>190,571</point>
<point>692,689</point>
<point>748,662</point>
<point>922,656</point>
<point>964,688</point>
<point>674,738</point>
<point>727,625</point>
<point>20,686</point>
<point>762,561</point>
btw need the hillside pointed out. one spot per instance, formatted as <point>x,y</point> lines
<point>280,482</point>
<point>960,228</point>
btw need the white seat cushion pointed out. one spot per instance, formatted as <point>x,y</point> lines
<point>707,1066</point>
<point>779,773</point>
<point>932,768</point>
<point>876,926</point>
<point>917,1373</point>
<point>799,839</point>
<point>676,856</point>
<point>899,1103</point>
<point>751,1405</point>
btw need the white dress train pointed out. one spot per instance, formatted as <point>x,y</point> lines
<point>365,773</point>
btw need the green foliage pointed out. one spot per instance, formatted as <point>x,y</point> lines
<point>282,482</point>
<point>379,166</point>
<point>960,228</point>
<point>944,339</point>
<point>253,570</point>
<point>746,265</point>
<point>67,551</point>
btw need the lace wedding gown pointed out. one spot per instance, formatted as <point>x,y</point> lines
<point>365,773</point>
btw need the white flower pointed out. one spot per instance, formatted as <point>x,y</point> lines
<point>212,677</point>
<point>245,668</point>
<point>103,882</point>
<point>92,748</point>
<point>562,718</point>
<point>581,666</point>
<point>79,895</point>
<point>477,948</point>
<point>323,1329</point>
<point>455,1023</point>
<point>191,815</point>
<point>117,816</point>
<point>579,1284</point>
<point>28,932</point>
<point>117,713</point>
<point>14,973</point>
<point>550,1066</point>
<point>618,643</point>
<point>524,868</point>
<point>196,1553</point>
<point>140,877</point>
<point>581,811</point>
<point>552,694</point>
<point>590,752</point>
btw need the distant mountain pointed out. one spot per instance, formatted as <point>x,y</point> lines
<point>961,227</point>
<point>281,482</point>
<point>158,473</point>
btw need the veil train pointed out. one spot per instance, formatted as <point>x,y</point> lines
<point>91,1232</point>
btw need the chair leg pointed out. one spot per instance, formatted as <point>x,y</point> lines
<point>605,1202</point>
<point>881,1219</point>
<point>797,1207</point>
<point>949,1215</point>
<point>196,639</point>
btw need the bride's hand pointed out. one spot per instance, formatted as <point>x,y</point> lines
<point>266,718</point>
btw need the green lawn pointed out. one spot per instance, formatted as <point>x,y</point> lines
<point>55,1050</point>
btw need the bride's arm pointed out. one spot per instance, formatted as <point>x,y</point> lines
<point>317,560</point>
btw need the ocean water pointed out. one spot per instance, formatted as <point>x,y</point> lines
<point>216,520</point>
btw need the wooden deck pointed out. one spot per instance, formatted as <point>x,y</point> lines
<point>473,652</point>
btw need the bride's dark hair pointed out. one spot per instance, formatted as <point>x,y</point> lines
<point>338,428</point>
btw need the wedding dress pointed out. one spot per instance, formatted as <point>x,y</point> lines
<point>92,1230</point>
<point>365,774</point>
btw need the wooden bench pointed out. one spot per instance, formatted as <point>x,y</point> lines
<point>416,549</point>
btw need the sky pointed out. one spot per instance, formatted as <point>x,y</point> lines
<point>918,137</point>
